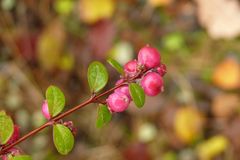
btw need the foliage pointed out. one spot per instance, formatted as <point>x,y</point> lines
<point>54,42</point>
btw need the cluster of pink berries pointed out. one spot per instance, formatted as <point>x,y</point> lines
<point>150,71</point>
<point>148,68</point>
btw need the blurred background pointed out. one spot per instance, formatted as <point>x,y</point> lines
<point>45,42</point>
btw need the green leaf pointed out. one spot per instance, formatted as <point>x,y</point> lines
<point>104,116</point>
<point>115,65</point>
<point>55,99</point>
<point>97,76</point>
<point>6,127</point>
<point>63,139</point>
<point>21,157</point>
<point>137,94</point>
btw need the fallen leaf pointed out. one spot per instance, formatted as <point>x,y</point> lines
<point>137,151</point>
<point>224,105</point>
<point>95,10</point>
<point>27,42</point>
<point>157,3</point>
<point>100,38</point>
<point>50,45</point>
<point>227,74</point>
<point>188,124</point>
<point>220,17</point>
<point>212,147</point>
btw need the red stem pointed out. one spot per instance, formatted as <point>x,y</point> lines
<point>93,99</point>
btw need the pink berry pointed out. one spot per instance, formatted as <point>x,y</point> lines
<point>130,68</point>
<point>124,89</point>
<point>14,151</point>
<point>162,69</point>
<point>119,82</point>
<point>149,57</point>
<point>15,135</point>
<point>4,157</point>
<point>45,111</point>
<point>118,102</point>
<point>152,84</point>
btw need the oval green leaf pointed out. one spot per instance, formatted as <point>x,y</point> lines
<point>55,99</point>
<point>63,139</point>
<point>104,116</point>
<point>115,65</point>
<point>137,94</point>
<point>21,157</point>
<point>97,76</point>
<point>6,127</point>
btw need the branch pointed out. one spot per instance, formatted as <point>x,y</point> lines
<point>93,99</point>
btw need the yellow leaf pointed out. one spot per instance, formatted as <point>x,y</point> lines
<point>66,62</point>
<point>227,74</point>
<point>95,10</point>
<point>156,3</point>
<point>212,147</point>
<point>50,45</point>
<point>188,124</point>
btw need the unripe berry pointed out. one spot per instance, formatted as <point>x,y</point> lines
<point>45,110</point>
<point>149,57</point>
<point>152,84</point>
<point>162,69</point>
<point>15,135</point>
<point>118,102</point>
<point>130,68</point>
